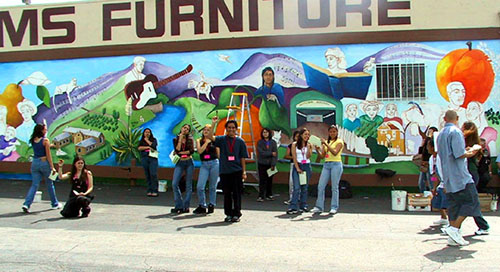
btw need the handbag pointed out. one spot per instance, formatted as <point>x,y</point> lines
<point>174,157</point>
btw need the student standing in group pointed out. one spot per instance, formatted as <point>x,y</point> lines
<point>332,170</point>
<point>461,193</point>
<point>267,156</point>
<point>41,168</point>
<point>147,146</point>
<point>438,195</point>
<point>184,148</point>
<point>471,137</point>
<point>82,184</point>
<point>209,170</point>
<point>288,156</point>
<point>301,153</point>
<point>233,152</point>
<point>424,178</point>
<point>484,167</point>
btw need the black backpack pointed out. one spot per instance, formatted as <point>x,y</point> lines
<point>345,190</point>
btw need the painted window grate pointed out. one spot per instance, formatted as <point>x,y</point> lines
<point>401,81</point>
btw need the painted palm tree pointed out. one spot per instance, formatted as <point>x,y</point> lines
<point>128,140</point>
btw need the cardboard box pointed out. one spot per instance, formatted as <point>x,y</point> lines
<point>485,201</point>
<point>419,202</point>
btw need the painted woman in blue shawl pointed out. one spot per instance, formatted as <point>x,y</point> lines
<point>272,113</point>
<point>270,90</point>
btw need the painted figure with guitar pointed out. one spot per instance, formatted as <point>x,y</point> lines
<point>141,91</point>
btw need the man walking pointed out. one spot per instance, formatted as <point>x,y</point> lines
<point>461,192</point>
<point>233,152</point>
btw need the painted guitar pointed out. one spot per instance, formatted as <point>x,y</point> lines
<point>141,91</point>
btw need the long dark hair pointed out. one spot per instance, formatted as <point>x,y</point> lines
<point>83,175</point>
<point>471,135</point>
<point>151,137</point>
<point>333,127</point>
<point>189,138</point>
<point>268,131</point>
<point>37,132</point>
<point>263,72</point>
<point>300,141</point>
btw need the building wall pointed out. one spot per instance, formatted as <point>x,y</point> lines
<point>81,86</point>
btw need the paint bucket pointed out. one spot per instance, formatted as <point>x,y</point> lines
<point>162,186</point>
<point>398,200</point>
<point>493,205</point>
<point>38,196</point>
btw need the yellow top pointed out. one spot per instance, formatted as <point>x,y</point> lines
<point>329,155</point>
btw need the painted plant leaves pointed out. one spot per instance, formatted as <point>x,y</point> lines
<point>43,94</point>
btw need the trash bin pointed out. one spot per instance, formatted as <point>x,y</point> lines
<point>398,200</point>
<point>162,186</point>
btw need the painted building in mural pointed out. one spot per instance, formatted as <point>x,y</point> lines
<point>382,96</point>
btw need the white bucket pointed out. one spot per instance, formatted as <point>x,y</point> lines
<point>493,205</point>
<point>38,196</point>
<point>398,200</point>
<point>162,186</point>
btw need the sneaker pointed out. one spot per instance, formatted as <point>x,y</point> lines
<point>228,218</point>
<point>184,211</point>
<point>456,236</point>
<point>316,210</point>
<point>200,210</point>
<point>305,209</point>
<point>451,242</point>
<point>235,219</point>
<point>26,209</point>
<point>292,211</point>
<point>286,202</point>
<point>443,231</point>
<point>482,232</point>
<point>260,199</point>
<point>441,221</point>
<point>333,211</point>
<point>57,207</point>
<point>269,198</point>
<point>177,211</point>
<point>211,208</point>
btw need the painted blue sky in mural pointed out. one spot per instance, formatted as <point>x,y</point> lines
<point>85,70</point>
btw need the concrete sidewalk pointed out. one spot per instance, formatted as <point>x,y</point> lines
<point>128,231</point>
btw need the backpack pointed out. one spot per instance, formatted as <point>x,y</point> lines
<point>345,190</point>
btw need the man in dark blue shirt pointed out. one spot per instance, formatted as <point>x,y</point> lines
<point>233,152</point>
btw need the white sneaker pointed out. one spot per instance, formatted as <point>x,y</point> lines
<point>316,210</point>
<point>59,206</point>
<point>26,209</point>
<point>441,222</point>
<point>451,242</point>
<point>333,211</point>
<point>456,236</point>
<point>482,232</point>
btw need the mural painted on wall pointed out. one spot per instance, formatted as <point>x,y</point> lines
<point>383,97</point>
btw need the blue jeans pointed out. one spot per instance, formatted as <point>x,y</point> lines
<point>209,170</point>
<point>181,166</point>
<point>422,178</point>
<point>40,170</point>
<point>151,171</point>
<point>331,171</point>
<point>299,194</point>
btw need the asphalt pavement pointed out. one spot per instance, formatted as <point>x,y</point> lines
<point>127,231</point>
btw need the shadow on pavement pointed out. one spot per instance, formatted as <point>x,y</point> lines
<point>434,229</point>
<point>207,225</point>
<point>362,203</point>
<point>21,213</point>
